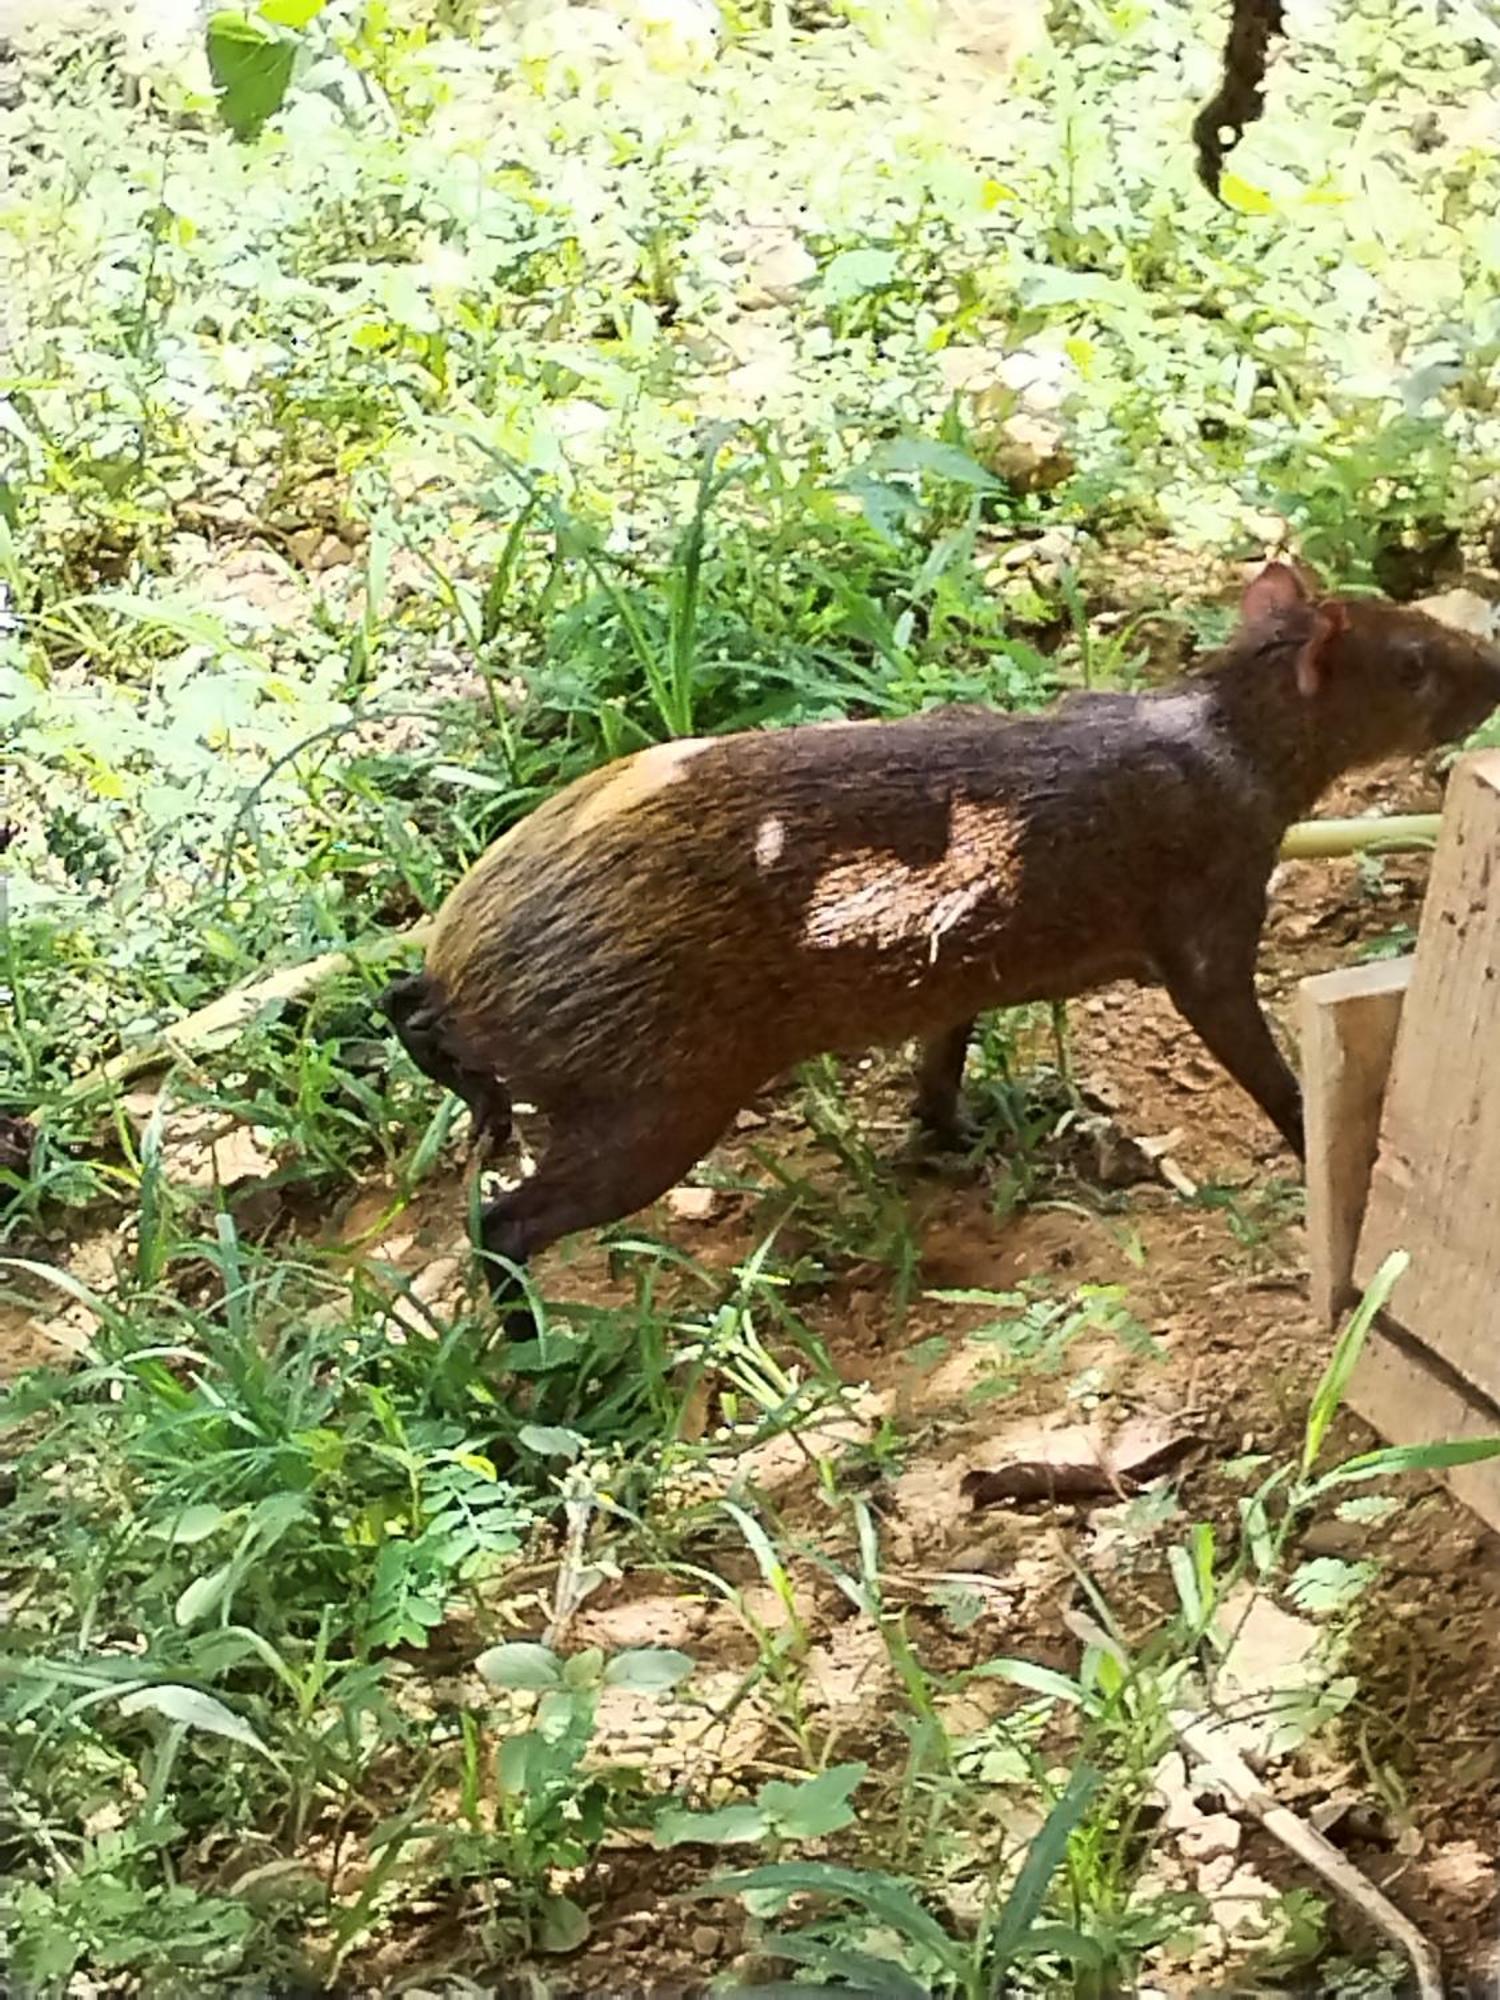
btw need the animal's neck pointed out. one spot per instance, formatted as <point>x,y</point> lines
<point>1252,697</point>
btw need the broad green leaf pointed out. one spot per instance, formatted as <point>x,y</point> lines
<point>563,1926</point>
<point>1043,1859</point>
<point>1391,1459</point>
<point>251,67</point>
<point>291,13</point>
<point>1326,1584</point>
<point>648,1667</point>
<point>816,1806</point>
<point>194,1710</point>
<point>1329,1393</point>
<point>585,1669</point>
<point>1244,196</point>
<point>549,1440</point>
<point>192,1524</point>
<point>725,1826</point>
<point>863,1973</point>
<point>945,461</point>
<point>203,1596</point>
<point>520,1664</point>
<point>853,272</point>
<point>881,1895</point>
<point>1040,1680</point>
<point>793,1989</point>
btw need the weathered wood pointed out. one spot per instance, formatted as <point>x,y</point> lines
<point>1410,1398</point>
<point>1348,1023</point>
<point>1435,1187</point>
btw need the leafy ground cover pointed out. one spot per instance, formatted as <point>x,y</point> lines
<point>533,385</point>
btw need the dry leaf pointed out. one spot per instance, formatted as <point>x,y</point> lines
<point>1075,1462</point>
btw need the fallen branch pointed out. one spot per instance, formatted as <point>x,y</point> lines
<point>224,1020</point>
<point>1204,1741</point>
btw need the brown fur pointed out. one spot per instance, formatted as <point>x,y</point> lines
<point>646,950</point>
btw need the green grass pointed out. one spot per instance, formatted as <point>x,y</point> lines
<point>360,485</point>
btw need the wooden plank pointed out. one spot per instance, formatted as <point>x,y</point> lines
<point>1348,1023</point>
<point>1411,1399</point>
<point>1435,1187</point>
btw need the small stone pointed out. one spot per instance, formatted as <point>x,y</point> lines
<point>1464,610</point>
<point>1213,1835</point>
<point>705,1940</point>
<point>695,1204</point>
<point>779,273</point>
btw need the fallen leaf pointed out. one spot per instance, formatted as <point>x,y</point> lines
<point>1462,1870</point>
<point>17,1142</point>
<point>1076,1462</point>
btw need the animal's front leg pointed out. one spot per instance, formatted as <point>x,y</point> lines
<point>1216,997</point>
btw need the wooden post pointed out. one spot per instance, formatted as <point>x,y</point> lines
<point>1431,1368</point>
<point>1435,1189</point>
<point>1348,1023</point>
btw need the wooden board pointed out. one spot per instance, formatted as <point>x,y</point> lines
<point>1348,1022</point>
<point>1435,1187</point>
<point>1410,1399</point>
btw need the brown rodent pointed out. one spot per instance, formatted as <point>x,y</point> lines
<point>642,953</point>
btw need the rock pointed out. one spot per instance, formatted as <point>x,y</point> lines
<point>1212,1835</point>
<point>1464,610</point>
<point>1268,1675</point>
<point>1029,452</point>
<point>696,1204</point>
<point>778,273</point>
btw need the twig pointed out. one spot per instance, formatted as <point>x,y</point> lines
<point>574,1581</point>
<point>1203,1739</point>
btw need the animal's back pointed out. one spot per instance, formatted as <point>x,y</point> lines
<point>728,905</point>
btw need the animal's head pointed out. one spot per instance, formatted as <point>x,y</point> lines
<point>1379,679</point>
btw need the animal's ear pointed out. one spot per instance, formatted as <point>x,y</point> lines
<point>1277,590</point>
<point>1330,622</point>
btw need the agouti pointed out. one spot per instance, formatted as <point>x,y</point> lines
<point>645,951</point>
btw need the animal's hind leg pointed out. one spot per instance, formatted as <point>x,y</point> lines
<point>939,1078</point>
<point>422,1030</point>
<point>603,1164</point>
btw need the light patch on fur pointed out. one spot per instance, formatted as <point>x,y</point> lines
<point>770,839</point>
<point>873,899</point>
<point>630,783</point>
<point>1180,715</point>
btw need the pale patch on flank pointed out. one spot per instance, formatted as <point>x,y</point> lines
<point>770,839</point>
<point>634,780</point>
<point>873,899</point>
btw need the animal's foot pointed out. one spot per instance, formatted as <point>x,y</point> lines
<point>944,1133</point>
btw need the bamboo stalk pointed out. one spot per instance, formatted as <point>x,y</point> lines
<point>1329,839</point>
